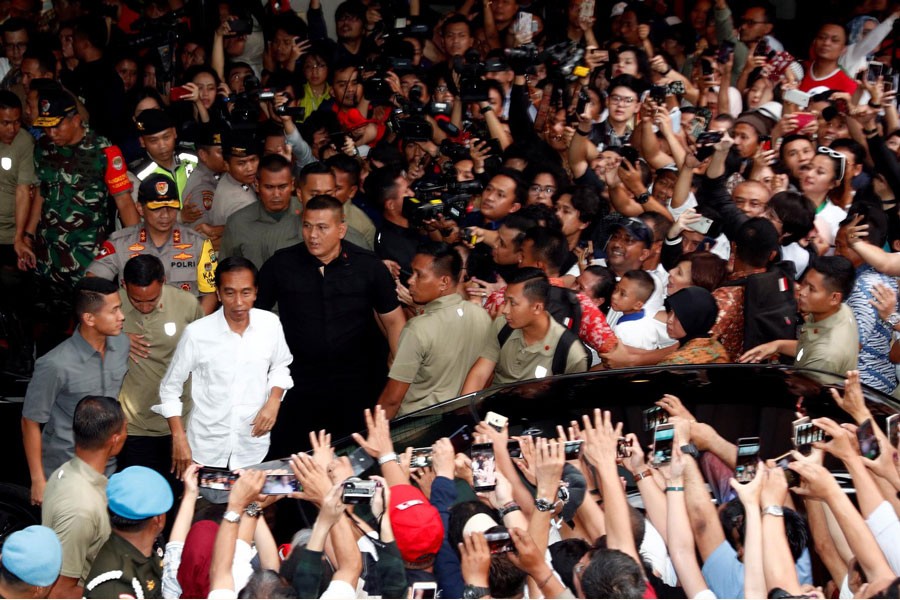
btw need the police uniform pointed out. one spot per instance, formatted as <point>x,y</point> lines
<point>187,256</point>
<point>121,570</point>
<point>200,191</point>
<point>231,195</point>
<point>76,183</point>
<point>150,122</point>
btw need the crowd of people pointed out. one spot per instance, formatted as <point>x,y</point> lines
<point>226,224</point>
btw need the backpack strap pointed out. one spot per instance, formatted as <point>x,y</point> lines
<point>561,354</point>
<point>504,334</point>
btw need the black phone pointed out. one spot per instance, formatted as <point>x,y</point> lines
<point>654,416</point>
<point>360,461</point>
<point>421,458</point>
<point>868,443</point>
<point>762,48</point>
<point>240,27</point>
<point>658,93</point>
<point>663,440</point>
<point>573,449</point>
<point>337,139</point>
<point>514,448</point>
<point>747,459</point>
<point>726,49</point>
<point>499,542</point>
<point>484,467</point>
<point>709,138</point>
<point>893,429</point>
<point>706,67</point>
<point>793,479</point>
<point>216,479</point>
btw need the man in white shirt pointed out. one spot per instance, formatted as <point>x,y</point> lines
<point>238,360</point>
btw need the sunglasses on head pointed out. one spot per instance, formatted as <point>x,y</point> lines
<point>842,160</point>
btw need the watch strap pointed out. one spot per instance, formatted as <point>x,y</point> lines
<point>474,591</point>
<point>390,456</point>
<point>774,510</point>
<point>231,517</point>
<point>643,475</point>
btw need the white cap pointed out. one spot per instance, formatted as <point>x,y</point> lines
<point>672,21</point>
<point>771,110</point>
<point>818,90</point>
<point>618,9</point>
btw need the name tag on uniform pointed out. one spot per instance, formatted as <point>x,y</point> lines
<point>6,163</point>
<point>169,328</point>
<point>540,371</point>
<point>460,312</point>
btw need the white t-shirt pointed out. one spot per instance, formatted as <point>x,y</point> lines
<point>638,333</point>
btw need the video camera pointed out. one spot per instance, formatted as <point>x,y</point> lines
<point>245,105</point>
<point>562,60</point>
<point>160,35</point>
<point>446,198</point>
<point>472,88</point>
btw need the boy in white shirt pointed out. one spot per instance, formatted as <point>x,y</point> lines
<point>635,328</point>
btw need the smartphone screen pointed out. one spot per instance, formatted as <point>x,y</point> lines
<point>573,449</point>
<point>709,137</point>
<point>177,93</point>
<point>461,439</point>
<point>874,71</point>
<point>484,467</point>
<point>216,479</point>
<point>421,458</point>
<point>360,461</point>
<point>747,459</point>
<point>663,438</point>
<point>868,443</point>
<point>514,448</point>
<point>499,542</point>
<point>765,143</point>
<point>804,436</point>
<point>424,590</point>
<point>280,483</point>
<point>654,416</point>
<point>623,448</point>
<point>893,430</point>
<point>726,49</point>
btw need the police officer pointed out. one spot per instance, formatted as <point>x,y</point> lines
<point>33,556</point>
<point>129,565</point>
<point>156,133</point>
<point>241,151</point>
<point>197,197</point>
<point>188,257</point>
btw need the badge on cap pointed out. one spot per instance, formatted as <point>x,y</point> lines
<point>45,106</point>
<point>162,187</point>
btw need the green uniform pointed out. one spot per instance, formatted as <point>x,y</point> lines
<point>437,349</point>
<point>255,234</point>
<point>77,184</point>
<point>121,571</point>
<point>16,168</point>
<point>187,256</point>
<point>358,220</point>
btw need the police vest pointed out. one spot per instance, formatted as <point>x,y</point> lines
<point>185,162</point>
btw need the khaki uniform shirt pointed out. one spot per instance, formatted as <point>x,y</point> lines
<point>16,168</point>
<point>75,508</point>
<point>162,329</point>
<point>256,235</point>
<point>121,571</point>
<point>230,197</point>
<point>518,362</point>
<point>831,344</point>
<point>188,257</point>
<point>358,220</point>
<point>200,191</point>
<point>437,349</point>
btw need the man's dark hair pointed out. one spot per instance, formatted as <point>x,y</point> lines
<point>586,201</point>
<point>733,523</point>
<point>505,579</point>
<point>15,24</point>
<point>537,286</point>
<point>143,269</point>
<point>613,574</point>
<point>519,222</point>
<point>291,24</point>
<point>12,582</point>
<point>343,163</point>
<point>604,286</point>
<point>270,129</point>
<point>789,139</point>
<point>873,216</point>
<point>445,260</point>
<point>796,212</point>
<point>235,263</point>
<point>45,59</point>
<point>93,29</point>
<point>272,163</point>
<point>767,8</point>
<point>460,514</point>
<point>564,555</point>
<point>125,525</point>
<point>838,273</point>
<point>549,246</point>
<point>453,21</point>
<point>313,168</point>
<point>521,191</point>
<point>538,214</point>
<point>629,81</point>
<point>342,64</point>
<point>96,419</point>
<point>381,184</point>
<point>643,280</point>
<point>852,146</point>
<point>326,202</point>
<point>90,293</point>
<point>755,241</point>
<point>707,269</point>
<point>9,100</point>
<point>657,223</point>
<point>267,584</point>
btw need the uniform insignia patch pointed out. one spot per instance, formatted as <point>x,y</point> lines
<point>186,287</point>
<point>207,199</point>
<point>162,187</point>
<point>45,106</point>
<point>117,163</point>
<point>151,585</point>
<point>183,246</point>
<point>182,256</point>
<point>207,267</point>
<point>106,249</point>
<point>6,163</point>
<point>136,248</point>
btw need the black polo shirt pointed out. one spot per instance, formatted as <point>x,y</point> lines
<point>398,244</point>
<point>340,354</point>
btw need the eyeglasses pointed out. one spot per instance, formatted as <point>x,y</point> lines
<point>441,89</point>
<point>547,189</point>
<point>834,154</point>
<point>626,100</point>
<point>16,45</point>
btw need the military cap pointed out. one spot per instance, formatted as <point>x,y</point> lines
<point>158,191</point>
<point>34,555</point>
<point>53,106</point>
<point>239,144</point>
<point>152,120</point>
<point>138,493</point>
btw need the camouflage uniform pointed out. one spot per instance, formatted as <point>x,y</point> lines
<point>77,184</point>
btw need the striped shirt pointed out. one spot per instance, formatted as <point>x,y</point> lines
<point>875,368</point>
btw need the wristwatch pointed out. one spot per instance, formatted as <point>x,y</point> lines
<point>642,198</point>
<point>691,449</point>
<point>473,591</point>
<point>231,517</point>
<point>544,505</point>
<point>253,509</point>
<point>893,319</point>
<point>774,510</point>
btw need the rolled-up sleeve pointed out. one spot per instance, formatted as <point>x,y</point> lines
<point>172,384</point>
<point>279,370</point>
<point>885,526</point>
<point>42,390</point>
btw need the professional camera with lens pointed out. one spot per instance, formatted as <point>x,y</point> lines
<point>472,88</point>
<point>159,35</point>
<point>408,118</point>
<point>358,491</point>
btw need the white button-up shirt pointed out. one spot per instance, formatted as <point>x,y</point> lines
<point>232,376</point>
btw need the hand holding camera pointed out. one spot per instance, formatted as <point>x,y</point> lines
<point>749,492</point>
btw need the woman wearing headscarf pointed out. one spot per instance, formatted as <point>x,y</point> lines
<point>691,313</point>
<point>866,35</point>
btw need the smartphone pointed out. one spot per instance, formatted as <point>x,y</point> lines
<point>701,226</point>
<point>497,421</point>
<point>623,448</point>
<point>762,48</point>
<point>421,458</point>
<point>658,93</point>
<point>178,93</point>
<point>663,439</point>
<point>514,448</point>
<point>893,429</point>
<point>841,105</point>
<point>874,71</point>
<point>573,449</point>
<point>726,49</point>
<point>216,479</point>
<point>360,461</point>
<point>499,542</point>
<point>280,483</point>
<point>654,416</point>
<point>706,67</point>
<point>797,98</point>
<point>793,480</point>
<point>805,435</point>
<point>804,119</point>
<point>240,27</point>
<point>337,139</point>
<point>747,459</point>
<point>709,138</point>
<point>765,143</point>
<point>461,439</point>
<point>484,467</point>
<point>424,589</point>
<point>868,443</point>
<point>587,10</point>
<point>794,425</point>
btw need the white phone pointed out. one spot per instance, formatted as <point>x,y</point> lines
<point>496,420</point>
<point>701,226</point>
<point>424,589</point>
<point>801,99</point>
<point>525,26</point>
<point>587,10</point>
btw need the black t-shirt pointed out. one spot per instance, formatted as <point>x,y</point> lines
<point>398,244</point>
<point>104,98</point>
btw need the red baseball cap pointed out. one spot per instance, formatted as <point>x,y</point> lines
<point>417,524</point>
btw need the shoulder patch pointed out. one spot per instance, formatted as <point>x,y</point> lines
<point>106,249</point>
<point>207,199</point>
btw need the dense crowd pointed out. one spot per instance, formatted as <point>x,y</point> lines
<point>226,224</point>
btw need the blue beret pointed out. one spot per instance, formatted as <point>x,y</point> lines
<point>34,555</point>
<point>138,493</point>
